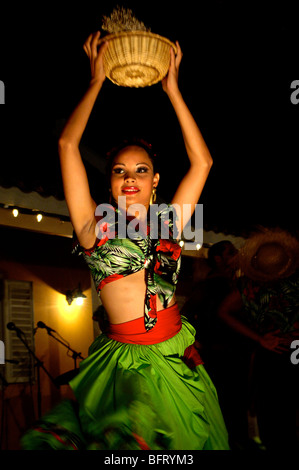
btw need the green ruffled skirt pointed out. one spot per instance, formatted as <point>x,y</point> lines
<point>132,397</point>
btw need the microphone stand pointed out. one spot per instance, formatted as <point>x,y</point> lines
<point>39,364</point>
<point>75,354</point>
<point>5,384</point>
<point>3,414</point>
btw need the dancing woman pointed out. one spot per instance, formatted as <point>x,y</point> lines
<point>143,385</point>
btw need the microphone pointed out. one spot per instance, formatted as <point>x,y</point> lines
<point>41,324</point>
<point>11,326</point>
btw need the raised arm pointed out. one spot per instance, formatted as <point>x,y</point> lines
<point>76,187</point>
<point>200,158</point>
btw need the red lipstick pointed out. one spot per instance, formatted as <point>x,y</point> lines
<point>130,190</point>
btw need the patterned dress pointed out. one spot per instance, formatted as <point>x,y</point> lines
<point>272,306</point>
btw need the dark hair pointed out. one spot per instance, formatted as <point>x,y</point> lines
<point>111,154</point>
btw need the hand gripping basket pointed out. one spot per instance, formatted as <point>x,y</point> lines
<point>136,58</point>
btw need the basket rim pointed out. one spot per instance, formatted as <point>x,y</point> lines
<point>138,33</point>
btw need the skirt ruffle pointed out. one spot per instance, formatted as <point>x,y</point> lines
<point>132,397</point>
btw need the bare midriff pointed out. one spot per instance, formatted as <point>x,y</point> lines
<point>124,299</point>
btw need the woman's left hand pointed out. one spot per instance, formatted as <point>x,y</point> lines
<point>275,342</point>
<point>170,82</point>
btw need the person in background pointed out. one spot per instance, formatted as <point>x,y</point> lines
<point>202,306</point>
<point>265,310</point>
<point>218,343</point>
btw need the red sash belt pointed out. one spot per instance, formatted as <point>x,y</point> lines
<point>168,325</point>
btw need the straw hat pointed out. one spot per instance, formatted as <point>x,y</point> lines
<point>269,255</point>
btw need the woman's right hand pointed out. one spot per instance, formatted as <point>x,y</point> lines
<point>95,56</point>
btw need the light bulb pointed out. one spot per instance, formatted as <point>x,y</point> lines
<point>15,212</point>
<point>39,217</point>
<point>79,300</point>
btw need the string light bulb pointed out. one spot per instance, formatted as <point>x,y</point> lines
<point>39,217</point>
<point>15,212</point>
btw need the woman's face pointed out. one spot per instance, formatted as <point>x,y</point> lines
<point>132,176</point>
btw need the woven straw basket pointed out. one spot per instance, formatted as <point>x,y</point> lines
<point>136,58</point>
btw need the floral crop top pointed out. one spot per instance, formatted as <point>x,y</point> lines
<point>152,248</point>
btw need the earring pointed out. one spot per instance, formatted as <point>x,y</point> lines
<point>153,196</point>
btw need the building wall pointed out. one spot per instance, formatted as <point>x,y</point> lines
<point>47,262</point>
